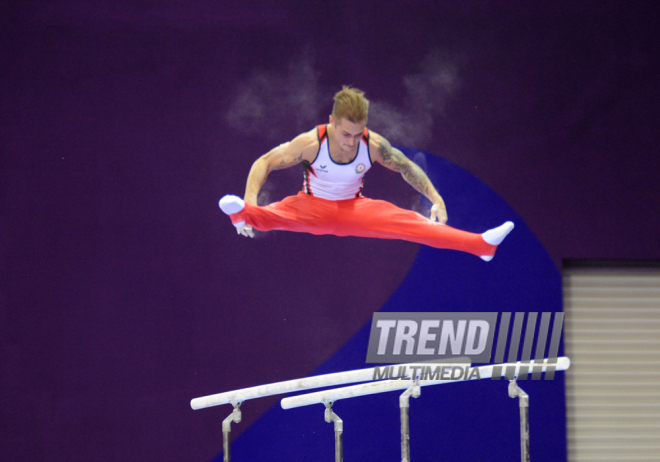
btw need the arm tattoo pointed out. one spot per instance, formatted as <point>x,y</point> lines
<point>284,164</point>
<point>395,160</point>
<point>392,159</point>
<point>416,178</point>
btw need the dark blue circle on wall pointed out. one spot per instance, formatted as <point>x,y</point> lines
<point>468,421</point>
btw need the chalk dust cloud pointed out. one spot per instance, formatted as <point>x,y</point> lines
<point>282,103</point>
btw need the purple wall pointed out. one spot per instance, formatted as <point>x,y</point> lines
<point>124,290</point>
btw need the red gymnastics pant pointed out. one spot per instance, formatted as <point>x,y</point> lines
<point>361,217</point>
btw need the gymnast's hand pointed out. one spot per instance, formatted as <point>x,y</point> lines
<point>439,213</point>
<point>246,231</point>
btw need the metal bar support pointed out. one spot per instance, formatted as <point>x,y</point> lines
<point>235,416</point>
<point>404,405</point>
<point>523,400</point>
<point>330,416</point>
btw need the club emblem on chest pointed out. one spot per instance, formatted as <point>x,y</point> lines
<point>359,168</point>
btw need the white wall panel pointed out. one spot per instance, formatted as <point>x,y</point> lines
<point>612,335</point>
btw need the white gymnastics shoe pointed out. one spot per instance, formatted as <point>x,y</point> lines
<point>232,204</point>
<point>495,236</point>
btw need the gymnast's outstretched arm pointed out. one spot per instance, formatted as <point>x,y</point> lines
<point>392,158</point>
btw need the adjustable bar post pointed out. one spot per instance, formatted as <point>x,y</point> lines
<point>404,405</point>
<point>330,416</point>
<point>523,400</point>
<point>235,416</point>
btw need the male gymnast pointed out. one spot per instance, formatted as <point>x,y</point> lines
<point>335,158</point>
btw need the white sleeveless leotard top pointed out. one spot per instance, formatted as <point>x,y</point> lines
<point>327,179</point>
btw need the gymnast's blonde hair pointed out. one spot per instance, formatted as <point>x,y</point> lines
<point>350,104</point>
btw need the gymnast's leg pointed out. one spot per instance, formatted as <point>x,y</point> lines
<point>301,213</point>
<point>380,219</point>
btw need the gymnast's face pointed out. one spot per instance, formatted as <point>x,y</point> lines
<point>347,134</point>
